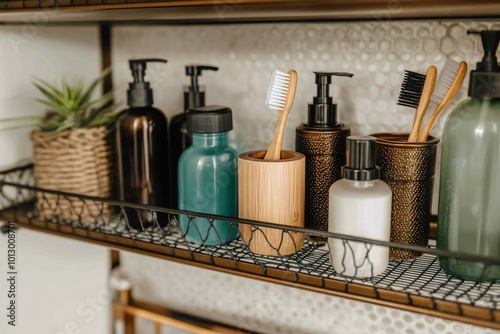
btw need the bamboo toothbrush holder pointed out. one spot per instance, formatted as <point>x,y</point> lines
<point>272,191</point>
<point>408,169</point>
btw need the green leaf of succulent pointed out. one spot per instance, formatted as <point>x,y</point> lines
<point>50,124</point>
<point>64,125</point>
<point>105,99</point>
<point>20,118</point>
<point>55,108</point>
<point>103,117</point>
<point>72,106</point>
<point>90,90</point>
<point>16,127</point>
<point>78,92</point>
<point>33,121</point>
<point>55,98</point>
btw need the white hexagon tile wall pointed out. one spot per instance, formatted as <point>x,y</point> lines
<point>376,52</point>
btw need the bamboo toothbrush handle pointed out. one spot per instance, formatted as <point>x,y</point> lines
<point>454,88</point>
<point>425,98</point>
<point>274,150</point>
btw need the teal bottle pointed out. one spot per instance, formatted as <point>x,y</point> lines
<point>179,138</point>
<point>208,177</point>
<point>469,194</point>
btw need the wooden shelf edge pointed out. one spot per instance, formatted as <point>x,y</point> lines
<point>172,318</point>
<point>399,300</point>
<point>230,11</point>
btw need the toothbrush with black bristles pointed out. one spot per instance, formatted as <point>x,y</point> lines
<point>416,92</point>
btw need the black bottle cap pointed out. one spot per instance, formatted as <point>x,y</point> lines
<point>193,96</point>
<point>209,119</point>
<point>360,159</point>
<point>140,93</point>
<point>323,112</point>
<point>484,82</point>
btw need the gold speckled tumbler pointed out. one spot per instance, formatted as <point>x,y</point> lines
<point>325,156</point>
<point>408,169</point>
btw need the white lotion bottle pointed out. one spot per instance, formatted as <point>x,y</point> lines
<point>360,206</point>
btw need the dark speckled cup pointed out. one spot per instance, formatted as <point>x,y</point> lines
<point>408,169</point>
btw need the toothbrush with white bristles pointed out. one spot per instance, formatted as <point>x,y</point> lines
<point>280,95</point>
<point>448,83</point>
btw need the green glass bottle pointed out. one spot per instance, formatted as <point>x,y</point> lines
<point>208,177</point>
<point>469,195</point>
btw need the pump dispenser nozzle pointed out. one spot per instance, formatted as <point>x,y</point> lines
<point>360,162</point>
<point>139,93</point>
<point>485,79</point>
<point>193,95</point>
<point>490,39</point>
<point>323,112</point>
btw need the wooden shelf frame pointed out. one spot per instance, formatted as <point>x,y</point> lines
<point>231,11</point>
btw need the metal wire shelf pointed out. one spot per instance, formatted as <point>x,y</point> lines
<point>419,285</point>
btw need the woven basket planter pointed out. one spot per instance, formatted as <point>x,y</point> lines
<point>76,161</point>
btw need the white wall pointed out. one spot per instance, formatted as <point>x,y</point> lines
<point>57,278</point>
<point>61,286</point>
<point>29,52</point>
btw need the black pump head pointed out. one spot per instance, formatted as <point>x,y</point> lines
<point>490,39</point>
<point>139,93</point>
<point>360,159</point>
<point>323,112</point>
<point>485,79</point>
<point>193,96</point>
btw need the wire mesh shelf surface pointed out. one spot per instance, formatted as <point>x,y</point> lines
<point>418,284</point>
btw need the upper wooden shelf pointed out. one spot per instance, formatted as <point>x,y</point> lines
<point>228,11</point>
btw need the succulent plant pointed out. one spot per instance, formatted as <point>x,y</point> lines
<point>72,106</point>
<point>69,107</point>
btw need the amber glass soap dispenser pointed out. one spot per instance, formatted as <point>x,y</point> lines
<point>323,142</point>
<point>142,152</point>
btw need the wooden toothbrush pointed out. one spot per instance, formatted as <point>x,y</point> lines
<point>449,82</point>
<point>425,99</point>
<point>409,96</point>
<point>280,95</point>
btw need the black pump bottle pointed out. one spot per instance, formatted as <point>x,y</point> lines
<point>323,142</point>
<point>142,151</point>
<point>179,137</point>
